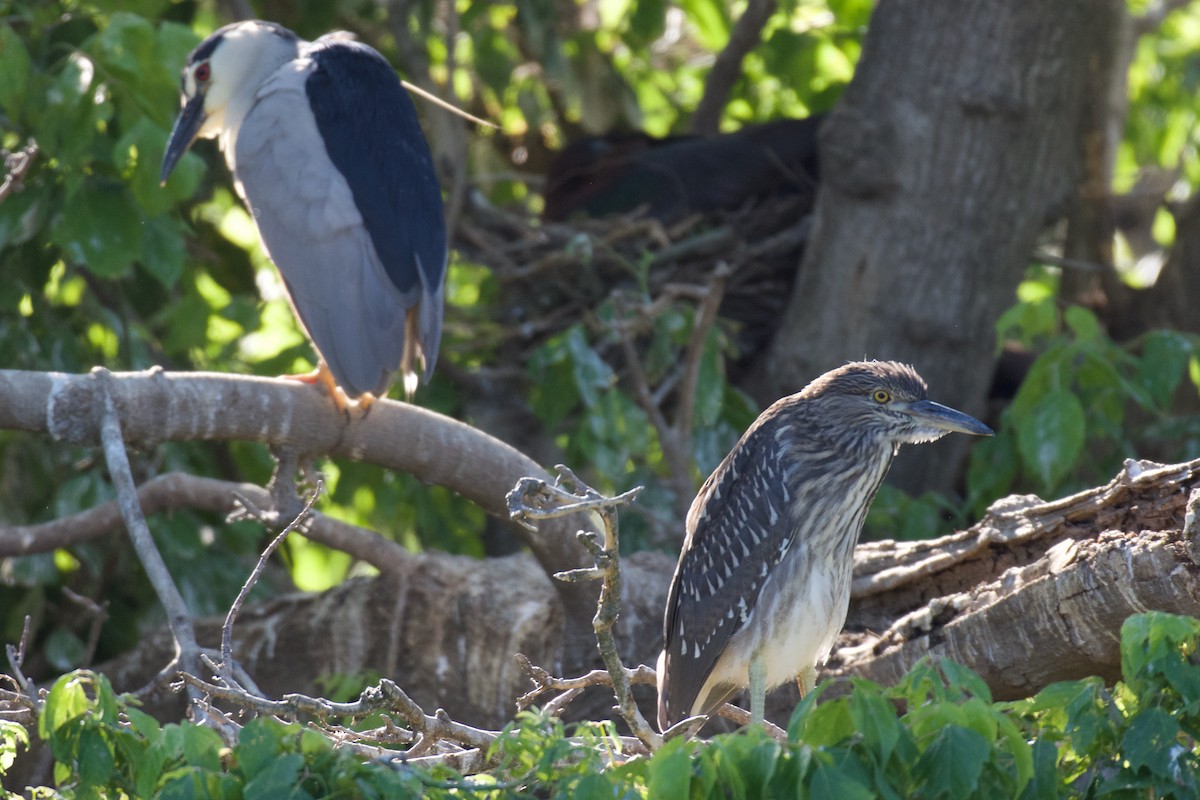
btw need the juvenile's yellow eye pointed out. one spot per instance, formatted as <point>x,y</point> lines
<point>882,396</point>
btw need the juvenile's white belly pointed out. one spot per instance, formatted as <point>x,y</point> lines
<point>796,635</point>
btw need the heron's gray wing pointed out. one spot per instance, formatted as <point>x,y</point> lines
<point>737,529</point>
<point>374,138</point>
<point>311,228</point>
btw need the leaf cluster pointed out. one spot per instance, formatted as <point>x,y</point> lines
<point>936,734</point>
<point>1086,403</point>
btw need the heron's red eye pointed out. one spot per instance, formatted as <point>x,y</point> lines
<point>881,395</point>
<point>201,73</point>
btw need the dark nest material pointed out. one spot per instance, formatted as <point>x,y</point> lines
<point>551,275</point>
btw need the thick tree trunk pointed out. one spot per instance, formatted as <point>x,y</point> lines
<point>956,141</point>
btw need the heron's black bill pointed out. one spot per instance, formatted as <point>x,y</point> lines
<point>947,419</point>
<point>187,125</point>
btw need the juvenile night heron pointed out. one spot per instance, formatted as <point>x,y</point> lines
<point>326,151</point>
<point>763,583</point>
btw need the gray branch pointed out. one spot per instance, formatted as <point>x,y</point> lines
<point>187,656</point>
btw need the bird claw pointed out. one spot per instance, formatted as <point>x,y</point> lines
<point>323,379</point>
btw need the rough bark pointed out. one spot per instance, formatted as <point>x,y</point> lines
<point>954,143</point>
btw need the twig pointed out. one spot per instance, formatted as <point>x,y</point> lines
<point>544,682</point>
<point>227,628</point>
<point>746,34</point>
<point>642,675</point>
<point>16,660</point>
<point>676,439</point>
<point>187,651</point>
<point>99,615</point>
<point>386,696</point>
<point>16,166</point>
<point>706,317</point>
<point>672,439</point>
<point>568,495</point>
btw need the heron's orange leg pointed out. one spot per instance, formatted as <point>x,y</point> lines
<point>323,379</point>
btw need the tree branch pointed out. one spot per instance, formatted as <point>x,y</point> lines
<point>179,619</point>
<point>160,406</point>
<point>175,491</point>
<point>537,500</point>
<point>746,35</point>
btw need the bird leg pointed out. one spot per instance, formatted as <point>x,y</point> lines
<point>806,680</point>
<point>758,689</point>
<point>322,378</point>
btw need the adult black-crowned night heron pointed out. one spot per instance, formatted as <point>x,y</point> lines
<point>763,583</point>
<point>327,153</point>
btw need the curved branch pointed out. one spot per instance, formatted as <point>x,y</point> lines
<point>157,407</point>
<point>746,35</point>
<point>175,491</point>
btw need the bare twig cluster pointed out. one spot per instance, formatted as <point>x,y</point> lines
<point>23,701</point>
<point>534,499</point>
<point>552,275</point>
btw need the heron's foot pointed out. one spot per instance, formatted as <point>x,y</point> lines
<point>322,378</point>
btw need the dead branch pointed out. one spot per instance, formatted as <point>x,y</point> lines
<point>538,499</point>
<point>386,697</point>
<point>179,619</point>
<point>225,668</point>
<point>570,688</point>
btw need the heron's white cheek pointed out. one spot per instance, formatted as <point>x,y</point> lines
<point>214,124</point>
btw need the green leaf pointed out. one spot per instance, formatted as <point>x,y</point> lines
<point>965,678</point>
<point>147,769</point>
<point>831,782</point>
<point>1150,741</point>
<point>99,227</point>
<point>94,760</point>
<point>66,701</point>
<point>711,20</point>
<point>279,780</point>
<point>1082,322</point>
<point>1163,364</point>
<point>951,766</point>
<point>710,382</point>
<point>138,154</point>
<point>671,771</point>
<point>12,736</point>
<point>258,746</point>
<point>592,375</point>
<point>14,66</point>
<point>151,9</point>
<point>1051,438</point>
<point>875,718</point>
<point>64,649</point>
<point>828,724</point>
<point>125,46</point>
<point>201,746</point>
<point>163,249</point>
<point>647,20</point>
